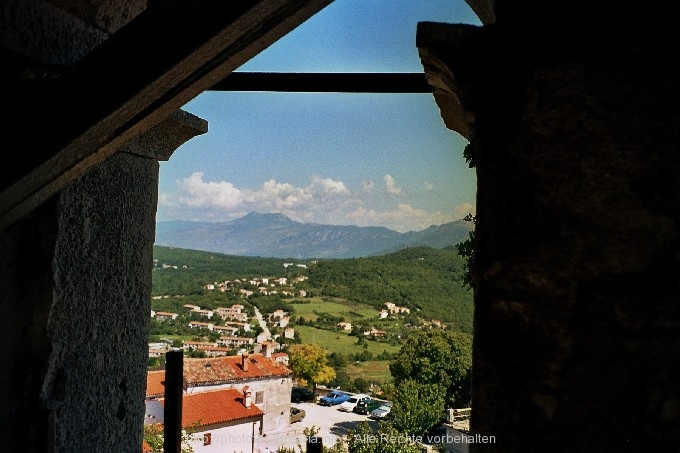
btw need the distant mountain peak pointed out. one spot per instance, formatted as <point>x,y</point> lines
<point>275,235</point>
<point>258,217</point>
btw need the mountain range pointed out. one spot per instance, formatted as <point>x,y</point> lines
<point>277,236</point>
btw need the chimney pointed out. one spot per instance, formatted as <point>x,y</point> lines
<point>266,349</point>
<point>244,361</point>
<point>247,394</point>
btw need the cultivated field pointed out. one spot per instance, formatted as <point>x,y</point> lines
<point>351,312</point>
<point>341,342</point>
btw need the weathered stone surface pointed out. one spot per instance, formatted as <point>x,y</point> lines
<point>99,321</point>
<point>162,140</point>
<point>438,45</point>
<point>45,33</point>
<point>108,15</point>
<point>577,318</point>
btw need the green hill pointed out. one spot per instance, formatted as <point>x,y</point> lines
<point>426,280</point>
<point>186,271</point>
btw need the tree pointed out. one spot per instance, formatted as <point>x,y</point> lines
<point>337,360</point>
<point>309,433</point>
<point>386,439</point>
<point>154,362</point>
<point>418,407</point>
<point>362,385</point>
<point>437,357</point>
<point>310,362</point>
<point>153,435</point>
<point>342,380</point>
<point>466,249</point>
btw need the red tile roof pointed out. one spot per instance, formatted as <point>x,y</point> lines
<point>154,383</point>
<point>146,448</point>
<point>218,406</point>
<point>228,369</point>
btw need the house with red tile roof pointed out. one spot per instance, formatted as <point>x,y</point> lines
<point>280,357</point>
<point>197,344</point>
<point>225,340</point>
<point>165,315</point>
<point>226,330</point>
<point>239,325</point>
<point>216,351</point>
<point>221,420</point>
<point>201,325</point>
<point>270,381</point>
<point>154,384</point>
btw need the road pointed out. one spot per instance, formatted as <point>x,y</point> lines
<point>263,324</point>
<point>331,422</point>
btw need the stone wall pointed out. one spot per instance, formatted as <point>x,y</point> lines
<point>573,134</point>
<point>99,320</point>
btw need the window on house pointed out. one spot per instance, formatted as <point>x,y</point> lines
<point>259,397</point>
<point>207,439</point>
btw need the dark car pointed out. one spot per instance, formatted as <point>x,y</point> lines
<point>366,406</point>
<point>301,394</point>
<point>334,398</point>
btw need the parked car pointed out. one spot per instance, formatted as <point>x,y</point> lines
<point>301,394</point>
<point>366,406</point>
<point>350,404</point>
<point>334,398</point>
<point>296,415</point>
<point>381,412</point>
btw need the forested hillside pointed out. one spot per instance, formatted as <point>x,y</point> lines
<point>428,281</point>
<point>196,268</point>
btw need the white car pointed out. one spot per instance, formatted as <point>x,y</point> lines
<point>350,404</point>
<point>381,412</point>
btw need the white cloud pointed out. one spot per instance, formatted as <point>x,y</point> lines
<point>392,189</point>
<point>403,218</point>
<point>464,209</point>
<point>209,194</point>
<point>428,186</point>
<point>321,197</point>
<point>328,186</point>
<point>323,200</point>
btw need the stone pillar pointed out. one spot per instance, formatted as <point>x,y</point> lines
<point>76,285</point>
<point>574,138</point>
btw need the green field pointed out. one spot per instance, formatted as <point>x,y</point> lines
<point>373,370</point>
<point>352,312</point>
<point>340,342</point>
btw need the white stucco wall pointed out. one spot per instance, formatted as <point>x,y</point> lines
<point>276,404</point>
<point>234,438</point>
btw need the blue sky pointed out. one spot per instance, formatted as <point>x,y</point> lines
<point>343,159</point>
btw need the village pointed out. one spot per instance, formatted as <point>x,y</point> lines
<point>244,403</point>
<point>234,331</point>
<point>238,386</point>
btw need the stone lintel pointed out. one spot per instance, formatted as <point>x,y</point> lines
<point>162,140</point>
<point>442,48</point>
